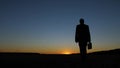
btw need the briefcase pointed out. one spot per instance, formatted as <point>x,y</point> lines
<point>90,45</point>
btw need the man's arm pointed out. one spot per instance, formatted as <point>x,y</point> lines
<point>88,34</point>
<point>76,34</point>
<point>89,38</point>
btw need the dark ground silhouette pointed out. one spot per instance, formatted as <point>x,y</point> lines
<point>103,59</point>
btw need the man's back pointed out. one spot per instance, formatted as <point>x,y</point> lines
<point>82,33</point>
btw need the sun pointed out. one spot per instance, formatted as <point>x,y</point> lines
<point>66,52</point>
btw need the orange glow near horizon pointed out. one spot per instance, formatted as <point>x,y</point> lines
<point>66,52</point>
<point>52,51</point>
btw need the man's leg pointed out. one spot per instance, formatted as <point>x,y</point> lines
<point>83,50</point>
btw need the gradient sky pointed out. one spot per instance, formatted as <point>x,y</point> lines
<point>48,26</point>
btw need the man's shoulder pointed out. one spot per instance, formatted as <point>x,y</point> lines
<point>82,25</point>
<point>85,24</point>
<point>78,25</point>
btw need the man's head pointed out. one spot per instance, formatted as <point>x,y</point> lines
<point>81,21</point>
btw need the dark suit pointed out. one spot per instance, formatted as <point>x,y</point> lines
<point>82,36</point>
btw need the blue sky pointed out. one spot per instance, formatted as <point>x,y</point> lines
<point>48,26</point>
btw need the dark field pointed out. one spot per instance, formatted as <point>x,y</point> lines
<point>103,59</point>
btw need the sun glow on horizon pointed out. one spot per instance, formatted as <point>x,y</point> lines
<point>67,52</point>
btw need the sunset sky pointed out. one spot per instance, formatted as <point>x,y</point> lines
<point>48,26</point>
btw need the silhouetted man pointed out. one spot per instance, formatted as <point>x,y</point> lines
<point>82,37</point>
